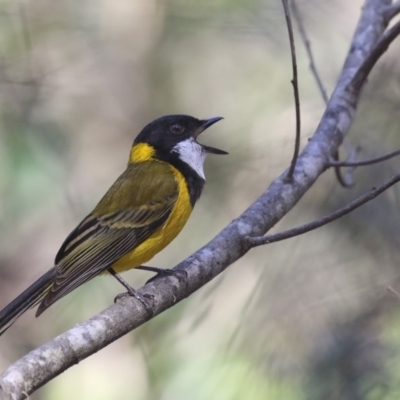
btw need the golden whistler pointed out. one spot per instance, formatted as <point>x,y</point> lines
<point>142,212</point>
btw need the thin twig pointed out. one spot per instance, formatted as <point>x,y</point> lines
<point>345,180</point>
<point>381,46</point>
<point>393,291</point>
<point>392,11</point>
<point>294,81</point>
<point>352,154</point>
<point>347,176</point>
<point>307,45</point>
<point>363,163</point>
<point>338,172</point>
<point>258,241</point>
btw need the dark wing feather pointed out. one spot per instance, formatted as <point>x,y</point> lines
<point>99,241</point>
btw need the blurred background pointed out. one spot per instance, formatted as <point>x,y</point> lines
<point>308,318</point>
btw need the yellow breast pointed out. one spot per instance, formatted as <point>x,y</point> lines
<point>164,235</point>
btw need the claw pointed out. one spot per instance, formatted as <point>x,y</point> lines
<point>137,296</point>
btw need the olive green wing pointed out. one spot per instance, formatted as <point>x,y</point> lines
<point>131,211</point>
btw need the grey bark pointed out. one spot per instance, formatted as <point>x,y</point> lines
<point>44,363</point>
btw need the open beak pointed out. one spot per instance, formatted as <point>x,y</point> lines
<point>206,123</point>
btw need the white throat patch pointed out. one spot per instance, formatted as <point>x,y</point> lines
<point>191,153</point>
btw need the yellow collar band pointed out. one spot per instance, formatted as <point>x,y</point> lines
<point>141,152</point>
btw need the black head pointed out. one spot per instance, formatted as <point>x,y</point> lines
<point>165,133</point>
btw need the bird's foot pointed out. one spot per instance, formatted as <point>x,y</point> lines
<point>133,293</point>
<point>130,292</point>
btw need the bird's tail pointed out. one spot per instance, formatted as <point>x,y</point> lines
<point>26,300</point>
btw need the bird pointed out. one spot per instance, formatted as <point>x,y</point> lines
<point>141,213</point>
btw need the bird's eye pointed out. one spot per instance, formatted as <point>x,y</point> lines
<point>177,129</point>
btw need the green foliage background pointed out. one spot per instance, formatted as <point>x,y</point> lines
<point>306,318</point>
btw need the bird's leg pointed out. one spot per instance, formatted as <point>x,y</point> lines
<point>163,272</point>
<point>131,291</point>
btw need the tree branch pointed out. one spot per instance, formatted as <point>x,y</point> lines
<point>392,10</point>
<point>307,45</point>
<point>363,163</point>
<point>347,180</point>
<point>380,48</point>
<point>295,91</point>
<point>51,359</point>
<point>341,212</point>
